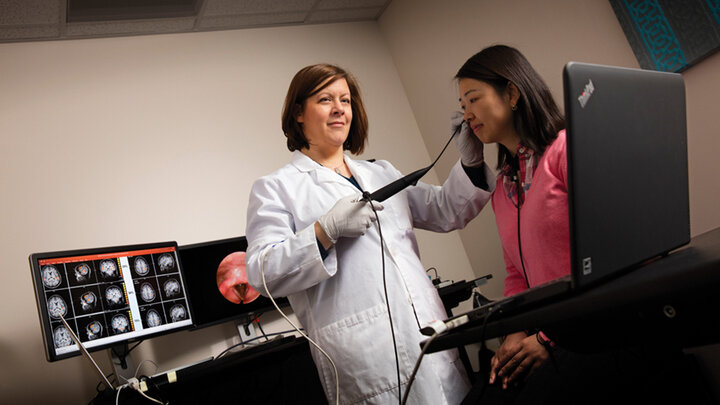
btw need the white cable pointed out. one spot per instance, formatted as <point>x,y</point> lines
<point>150,398</point>
<point>262,273</point>
<point>133,383</point>
<point>143,362</point>
<point>117,396</point>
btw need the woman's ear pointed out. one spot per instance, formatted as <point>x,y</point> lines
<point>298,113</point>
<point>513,94</point>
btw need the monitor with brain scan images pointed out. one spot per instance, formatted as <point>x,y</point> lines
<point>109,296</point>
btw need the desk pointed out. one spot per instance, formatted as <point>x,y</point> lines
<point>673,300</point>
<point>281,373</point>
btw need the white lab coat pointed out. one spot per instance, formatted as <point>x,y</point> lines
<point>340,300</point>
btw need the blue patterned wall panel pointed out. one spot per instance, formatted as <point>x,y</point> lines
<point>670,35</point>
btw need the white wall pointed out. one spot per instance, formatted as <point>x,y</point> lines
<point>143,139</point>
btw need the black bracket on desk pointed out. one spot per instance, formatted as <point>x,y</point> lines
<point>452,295</point>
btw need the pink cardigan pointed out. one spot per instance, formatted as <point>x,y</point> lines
<point>544,226</point>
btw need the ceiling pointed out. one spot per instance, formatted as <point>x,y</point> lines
<point>42,20</point>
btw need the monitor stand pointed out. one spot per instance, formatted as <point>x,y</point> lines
<point>122,362</point>
<point>246,329</point>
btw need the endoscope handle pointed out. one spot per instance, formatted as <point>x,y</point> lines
<point>397,185</point>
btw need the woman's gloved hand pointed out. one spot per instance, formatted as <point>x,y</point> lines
<point>348,218</point>
<point>470,147</point>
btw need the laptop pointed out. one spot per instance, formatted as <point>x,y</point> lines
<point>627,179</point>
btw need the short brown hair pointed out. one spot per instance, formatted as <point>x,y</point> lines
<point>307,82</point>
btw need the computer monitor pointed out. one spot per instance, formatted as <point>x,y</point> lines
<point>209,307</point>
<point>109,296</point>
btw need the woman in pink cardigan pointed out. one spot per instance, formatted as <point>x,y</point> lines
<point>506,102</point>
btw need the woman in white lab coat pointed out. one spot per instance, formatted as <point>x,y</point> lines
<point>320,248</point>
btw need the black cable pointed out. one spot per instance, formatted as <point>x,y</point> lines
<point>516,167</point>
<point>133,348</point>
<point>114,381</point>
<point>121,356</point>
<point>457,131</point>
<point>387,301</point>
<point>368,198</point>
<point>417,366</point>
<point>257,319</point>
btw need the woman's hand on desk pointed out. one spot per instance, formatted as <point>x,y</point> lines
<point>518,357</point>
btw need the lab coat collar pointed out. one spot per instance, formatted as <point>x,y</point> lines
<point>361,173</point>
<point>322,174</point>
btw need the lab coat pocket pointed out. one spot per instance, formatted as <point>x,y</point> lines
<point>362,349</point>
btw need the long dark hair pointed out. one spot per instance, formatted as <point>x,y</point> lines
<point>537,119</point>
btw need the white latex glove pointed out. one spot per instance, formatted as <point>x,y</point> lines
<point>348,218</point>
<point>470,147</point>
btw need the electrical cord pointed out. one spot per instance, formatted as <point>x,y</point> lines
<point>259,324</point>
<point>417,366</point>
<point>327,356</point>
<point>367,196</point>
<point>143,362</point>
<point>387,300</point>
<point>135,384</point>
<point>515,164</point>
<point>117,395</point>
<point>436,273</point>
<point>224,352</point>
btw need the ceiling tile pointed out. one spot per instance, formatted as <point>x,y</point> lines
<point>27,12</point>
<point>256,20</point>
<point>29,32</point>
<point>330,16</point>
<point>131,27</point>
<point>235,7</point>
<point>342,4</point>
<point>46,19</point>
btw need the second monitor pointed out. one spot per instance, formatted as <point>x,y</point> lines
<point>209,307</point>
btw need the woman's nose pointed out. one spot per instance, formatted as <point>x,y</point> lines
<point>338,108</point>
<point>467,116</point>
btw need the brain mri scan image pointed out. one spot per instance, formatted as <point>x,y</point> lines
<point>166,262</point>
<point>88,301</point>
<point>93,330</point>
<point>147,292</point>
<point>171,287</point>
<point>57,306</point>
<point>51,277</point>
<point>62,337</point>
<point>152,318</point>
<point>82,272</point>
<point>108,268</point>
<point>120,323</point>
<point>114,295</point>
<point>141,266</point>
<point>177,313</point>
